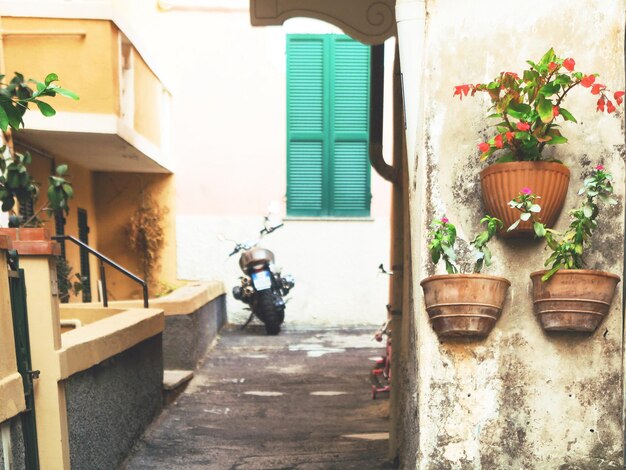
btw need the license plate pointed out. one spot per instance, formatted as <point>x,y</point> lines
<point>262,280</point>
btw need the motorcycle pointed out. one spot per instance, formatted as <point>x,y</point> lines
<point>262,286</point>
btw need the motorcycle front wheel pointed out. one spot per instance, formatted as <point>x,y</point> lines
<point>271,316</point>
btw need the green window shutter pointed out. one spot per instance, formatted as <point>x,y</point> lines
<point>327,126</point>
<point>350,128</point>
<point>306,125</point>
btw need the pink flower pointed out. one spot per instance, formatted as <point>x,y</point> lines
<point>527,191</point>
<point>444,220</point>
<point>569,64</point>
<point>552,66</point>
<point>600,168</point>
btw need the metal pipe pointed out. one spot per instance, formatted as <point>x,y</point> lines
<point>103,279</point>
<point>108,261</point>
<point>377,85</point>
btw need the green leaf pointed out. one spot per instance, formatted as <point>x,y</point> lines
<point>567,115</point>
<point>4,119</point>
<point>535,208</point>
<point>550,273</point>
<point>525,216</point>
<point>556,140</point>
<point>513,225</point>
<point>544,108</point>
<point>549,89</point>
<point>66,93</point>
<point>51,77</point>
<point>45,108</point>
<point>509,157</point>
<point>69,191</point>
<point>7,204</point>
<point>540,229</point>
<point>61,169</point>
<point>587,210</point>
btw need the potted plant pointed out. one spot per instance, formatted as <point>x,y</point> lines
<point>566,296</point>
<point>463,304</point>
<point>16,183</point>
<point>528,110</point>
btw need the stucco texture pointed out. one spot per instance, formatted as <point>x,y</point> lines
<point>520,398</point>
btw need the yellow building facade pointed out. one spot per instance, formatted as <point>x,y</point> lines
<point>115,140</point>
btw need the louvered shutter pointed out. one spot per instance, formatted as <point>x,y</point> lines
<point>350,128</point>
<point>327,126</point>
<point>307,148</point>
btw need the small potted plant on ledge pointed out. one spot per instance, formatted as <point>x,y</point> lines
<point>528,110</point>
<point>463,304</point>
<point>16,183</point>
<point>566,296</point>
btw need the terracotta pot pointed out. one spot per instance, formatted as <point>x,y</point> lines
<point>464,304</point>
<point>502,182</point>
<point>573,299</point>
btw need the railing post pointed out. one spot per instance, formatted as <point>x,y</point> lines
<point>103,279</point>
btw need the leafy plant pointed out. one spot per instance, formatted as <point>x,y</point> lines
<point>66,285</point>
<point>568,248</point>
<point>526,203</point>
<point>443,239</point>
<point>528,108</point>
<point>146,235</point>
<point>16,183</point>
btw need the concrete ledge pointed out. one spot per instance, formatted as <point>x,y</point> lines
<point>182,301</point>
<point>87,313</point>
<point>90,345</point>
<point>12,396</point>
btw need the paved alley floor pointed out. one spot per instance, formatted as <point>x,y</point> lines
<point>300,400</point>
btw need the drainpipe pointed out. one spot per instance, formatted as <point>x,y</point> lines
<point>377,85</point>
<point>411,19</point>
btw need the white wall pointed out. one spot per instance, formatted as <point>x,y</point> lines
<point>228,84</point>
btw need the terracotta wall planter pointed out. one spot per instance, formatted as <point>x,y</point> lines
<point>464,304</point>
<point>573,299</point>
<point>502,182</point>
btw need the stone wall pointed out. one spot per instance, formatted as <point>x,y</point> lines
<point>520,398</point>
<point>110,405</point>
<point>187,338</point>
<point>17,445</point>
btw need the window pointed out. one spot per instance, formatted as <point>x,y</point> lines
<point>328,171</point>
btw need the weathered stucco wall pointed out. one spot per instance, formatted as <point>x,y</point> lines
<point>520,398</point>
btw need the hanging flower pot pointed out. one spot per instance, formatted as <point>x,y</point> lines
<point>464,304</point>
<point>529,117</point>
<point>573,299</point>
<point>501,182</point>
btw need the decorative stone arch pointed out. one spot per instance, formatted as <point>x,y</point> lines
<point>368,21</point>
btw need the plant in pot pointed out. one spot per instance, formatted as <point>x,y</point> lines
<point>463,304</point>
<point>566,296</point>
<point>16,183</point>
<point>528,110</point>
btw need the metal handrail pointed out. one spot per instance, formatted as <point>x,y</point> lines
<point>103,259</point>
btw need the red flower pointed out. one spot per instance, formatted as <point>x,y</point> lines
<point>597,88</point>
<point>588,81</point>
<point>600,168</point>
<point>610,107</point>
<point>523,126</point>
<point>569,64</point>
<point>509,136</point>
<point>600,106</point>
<point>512,74</point>
<point>444,220</point>
<point>555,111</point>
<point>498,141</point>
<point>619,96</point>
<point>526,191</point>
<point>484,147</point>
<point>552,66</point>
<point>461,90</point>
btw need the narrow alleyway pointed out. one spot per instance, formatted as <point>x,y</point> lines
<point>300,400</point>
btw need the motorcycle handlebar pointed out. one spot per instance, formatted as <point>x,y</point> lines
<point>266,230</point>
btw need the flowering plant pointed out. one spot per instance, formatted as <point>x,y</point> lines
<point>443,238</point>
<point>568,247</point>
<point>528,108</point>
